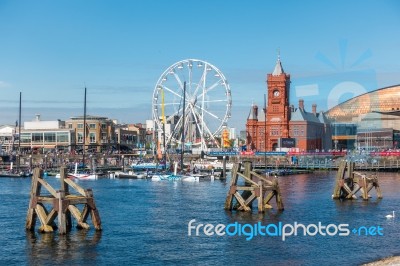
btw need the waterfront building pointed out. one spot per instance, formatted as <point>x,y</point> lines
<point>344,135</point>
<point>7,138</point>
<point>100,133</point>
<point>380,106</point>
<point>377,139</point>
<point>40,136</point>
<point>282,126</point>
<point>130,137</point>
<point>371,114</point>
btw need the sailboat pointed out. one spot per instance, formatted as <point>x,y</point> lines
<point>75,174</point>
<point>16,172</point>
<point>175,176</point>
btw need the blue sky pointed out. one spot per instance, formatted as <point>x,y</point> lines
<point>49,50</point>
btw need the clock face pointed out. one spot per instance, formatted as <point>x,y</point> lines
<point>276,93</point>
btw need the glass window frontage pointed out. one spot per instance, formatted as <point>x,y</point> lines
<point>37,137</point>
<point>50,137</point>
<point>62,137</point>
<point>26,137</point>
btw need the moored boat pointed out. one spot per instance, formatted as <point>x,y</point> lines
<point>131,175</point>
<point>12,174</point>
<point>142,166</point>
<point>215,164</point>
<point>81,176</point>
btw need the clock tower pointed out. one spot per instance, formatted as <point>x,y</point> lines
<point>278,110</point>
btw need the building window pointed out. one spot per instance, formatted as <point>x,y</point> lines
<point>92,137</point>
<point>50,137</point>
<point>92,126</point>
<point>275,131</point>
<point>37,137</point>
<point>70,126</point>
<point>103,126</point>
<point>80,137</point>
<point>80,126</point>
<point>26,138</point>
<point>62,137</point>
<point>295,131</point>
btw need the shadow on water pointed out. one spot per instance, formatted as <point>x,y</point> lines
<point>78,247</point>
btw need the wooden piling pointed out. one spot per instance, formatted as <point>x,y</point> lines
<point>256,187</point>
<point>349,183</point>
<point>63,205</point>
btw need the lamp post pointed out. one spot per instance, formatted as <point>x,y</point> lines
<point>45,163</point>
<point>91,161</point>
<point>336,140</point>
<point>123,163</point>
<point>30,162</point>
<point>265,132</point>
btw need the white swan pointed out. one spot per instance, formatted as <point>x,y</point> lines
<point>389,216</point>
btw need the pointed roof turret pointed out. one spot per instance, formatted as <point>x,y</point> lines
<point>253,112</point>
<point>278,70</point>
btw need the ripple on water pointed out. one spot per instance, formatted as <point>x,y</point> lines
<point>146,222</point>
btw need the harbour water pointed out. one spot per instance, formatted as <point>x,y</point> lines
<point>146,222</point>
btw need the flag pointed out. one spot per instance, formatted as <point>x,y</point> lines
<point>87,129</point>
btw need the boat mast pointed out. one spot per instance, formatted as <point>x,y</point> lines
<point>183,124</point>
<point>19,133</point>
<point>84,129</point>
<point>163,130</point>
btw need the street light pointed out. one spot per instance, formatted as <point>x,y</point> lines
<point>30,162</point>
<point>45,163</point>
<point>91,161</point>
<point>123,163</point>
<point>265,132</point>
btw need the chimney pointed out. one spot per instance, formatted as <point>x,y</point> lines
<point>314,109</point>
<point>255,110</point>
<point>37,117</point>
<point>301,104</point>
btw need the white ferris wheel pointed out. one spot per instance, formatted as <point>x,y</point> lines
<point>193,98</point>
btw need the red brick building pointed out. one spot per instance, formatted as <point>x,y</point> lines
<point>285,125</point>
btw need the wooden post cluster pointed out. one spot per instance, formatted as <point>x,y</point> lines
<point>254,187</point>
<point>349,183</point>
<point>61,203</point>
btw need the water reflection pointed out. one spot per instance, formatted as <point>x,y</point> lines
<point>78,247</point>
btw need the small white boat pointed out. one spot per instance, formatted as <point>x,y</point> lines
<point>142,166</point>
<point>191,178</point>
<point>80,176</point>
<point>169,177</point>
<point>130,174</point>
<point>176,177</point>
<point>216,164</point>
